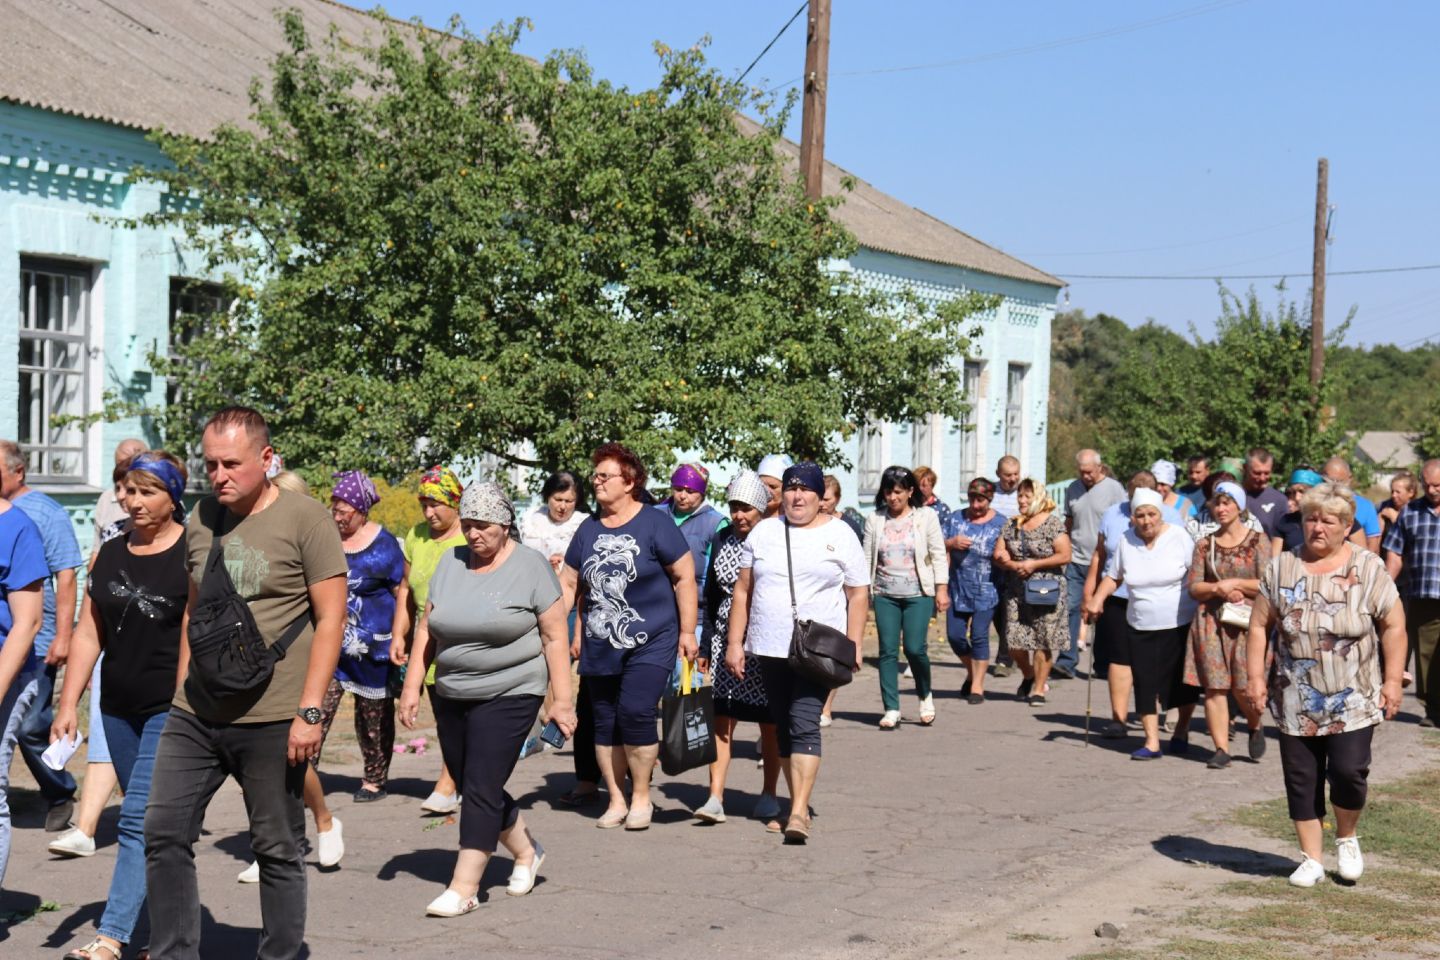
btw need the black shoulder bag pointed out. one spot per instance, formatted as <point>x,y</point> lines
<point>228,655</point>
<point>818,652</point>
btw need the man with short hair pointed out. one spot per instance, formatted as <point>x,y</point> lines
<point>1007,483</point>
<point>52,643</point>
<point>282,554</point>
<point>1337,470</point>
<point>1007,504</point>
<point>1265,503</point>
<point>1086,500</point>
<point>1413,545</point>
<point>1197,470</point>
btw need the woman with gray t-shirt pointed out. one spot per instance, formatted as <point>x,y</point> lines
<point>494,625</point>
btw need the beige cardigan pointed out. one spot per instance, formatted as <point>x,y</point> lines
<point>932,562</point>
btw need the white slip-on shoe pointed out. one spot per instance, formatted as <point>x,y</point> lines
<point>890,720</point>
<point>1309,873</point>
<point>441,803</point>
<point>522,878</point>
<point>332,843</point>
<point>250,874</point>
<point>73,843</point>
<point>1352,864</point>
<point>451,904</point>
<point>712,812</point>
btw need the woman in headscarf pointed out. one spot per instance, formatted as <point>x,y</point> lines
<point>1153,561</point>
<point>1289,529</point>
<point>494,625</point>
<point>377,567</point>
<point>1165,475</point>
<point>771,469</point>
<point>737,700</point>
<point>138,589</point>
<point>971,535</point>
<point>1034,542</point>
<point>423,546</point>
<point>1224,578</point>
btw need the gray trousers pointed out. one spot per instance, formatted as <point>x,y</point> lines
<point>193,760</point>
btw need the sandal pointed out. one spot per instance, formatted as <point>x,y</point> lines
<point>927,711</point>
<point>89,951</point>
<point>890,720</point>
<point>797,828</point>
<point>578,798</point>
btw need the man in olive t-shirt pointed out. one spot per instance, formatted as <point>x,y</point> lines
<point>283,554</point>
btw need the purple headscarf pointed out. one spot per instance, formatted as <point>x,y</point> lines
<point>356,489</point>
<point>686,477</point>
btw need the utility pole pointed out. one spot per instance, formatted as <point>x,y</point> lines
<point>812,116</point>
<point>1317,283</point>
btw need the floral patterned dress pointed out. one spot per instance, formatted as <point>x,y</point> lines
<point>1215,656</point>
<point>1326,675</point>
<point>1027,627</point>
<point>742,699</point>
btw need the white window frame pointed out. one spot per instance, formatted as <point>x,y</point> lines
<point>191,297</point>
<point>1015,377</point>
<point>968,426</point>
<point>41,442</point>
<point>870,461</point>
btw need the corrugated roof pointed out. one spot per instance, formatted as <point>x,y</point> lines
<point>187,65</point>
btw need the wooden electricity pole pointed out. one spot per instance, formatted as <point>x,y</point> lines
<point>812,116</point>
<point>1317,295</point>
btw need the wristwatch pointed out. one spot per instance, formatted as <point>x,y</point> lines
<point>310,715</point>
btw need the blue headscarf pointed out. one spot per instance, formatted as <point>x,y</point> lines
<point>169,475</point>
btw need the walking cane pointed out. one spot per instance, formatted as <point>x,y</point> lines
<point>1090,675</point>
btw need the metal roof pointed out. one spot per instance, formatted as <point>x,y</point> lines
<point>187,65</point>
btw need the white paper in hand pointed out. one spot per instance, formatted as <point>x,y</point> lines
<point>59,753</point>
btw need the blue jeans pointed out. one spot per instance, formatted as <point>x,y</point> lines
<point>13,704</point>
<point>969,632</point>
<point>56,786</point>
<point>1069,658</point>
<point>133,742</point>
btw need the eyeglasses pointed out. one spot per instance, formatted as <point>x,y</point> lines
<point>603,477</point>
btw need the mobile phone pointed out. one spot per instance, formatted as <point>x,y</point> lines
<point>551,734</point>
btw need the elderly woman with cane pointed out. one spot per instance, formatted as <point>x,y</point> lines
<point>1339,646</point>
<point>1153,560</point>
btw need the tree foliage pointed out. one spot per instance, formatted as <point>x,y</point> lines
<point>1149,393</point>
<point>442,250</point>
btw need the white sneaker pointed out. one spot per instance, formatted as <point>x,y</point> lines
<point>250,874</point>
<point>714,811</point>
<point>766,807</point>
<point>332,843</point>
<point>441,803</point>
<point>522,878</point>
<point>1352,864</point>
<point>451,904</point>
<point>1309,873</point>
<point>73,843</point>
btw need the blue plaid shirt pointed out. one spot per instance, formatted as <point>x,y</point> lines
<point>1415,536</point>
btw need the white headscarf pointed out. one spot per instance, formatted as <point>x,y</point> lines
<point>1145,497</point>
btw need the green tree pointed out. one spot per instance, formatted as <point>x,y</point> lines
<point>1248,386</point>
<point>441,249</point>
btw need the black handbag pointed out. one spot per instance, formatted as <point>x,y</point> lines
<point>228,654</point>
<point>1038,591</point>
<point>818,652</point>
<point>687,721</point>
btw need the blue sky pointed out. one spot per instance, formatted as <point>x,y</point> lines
<point>1162,137</point>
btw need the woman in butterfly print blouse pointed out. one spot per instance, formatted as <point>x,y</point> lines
<point>138,590</point>
<point>1340,643</point>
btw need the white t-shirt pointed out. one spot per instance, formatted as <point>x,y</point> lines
<point>1158,578</point>
<point>827,559</point>
<point>538,532</point>
<point>1006,504</point>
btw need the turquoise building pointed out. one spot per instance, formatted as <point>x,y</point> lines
<point>85,302</point>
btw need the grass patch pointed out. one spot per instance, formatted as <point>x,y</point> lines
<point>1032,937</point>
<point>1389,913</point>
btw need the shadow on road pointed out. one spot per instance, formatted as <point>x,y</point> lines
<point>1235,859</point>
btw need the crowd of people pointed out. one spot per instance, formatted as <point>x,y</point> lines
<point>229,634</point>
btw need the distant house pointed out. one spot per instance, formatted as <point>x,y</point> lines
<point>83,302</point>
<point>1386,452</point>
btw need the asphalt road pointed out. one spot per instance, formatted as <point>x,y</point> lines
<point>994,833</point>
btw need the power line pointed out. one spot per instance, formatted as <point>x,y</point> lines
<point>793,17</point>
<point>1038,47</point>
<point>1248,276</point>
